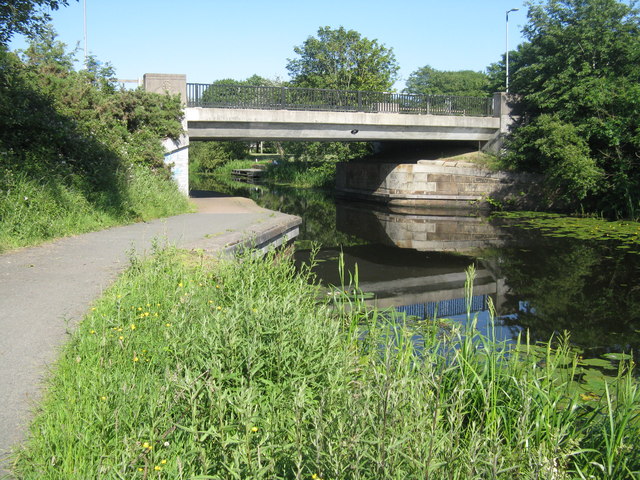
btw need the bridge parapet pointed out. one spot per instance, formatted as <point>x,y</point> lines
<point>316,99</point>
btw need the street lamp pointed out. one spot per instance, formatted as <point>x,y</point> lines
<point>507,46</point>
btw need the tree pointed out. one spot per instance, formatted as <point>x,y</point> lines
<point>25,16</point>
<point>579,77</point>
<point>429,81</point>
<point>343,60</point>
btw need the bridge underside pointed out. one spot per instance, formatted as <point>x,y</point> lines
<point>288,125</point>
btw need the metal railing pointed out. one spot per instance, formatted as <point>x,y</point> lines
<point>316,99</point>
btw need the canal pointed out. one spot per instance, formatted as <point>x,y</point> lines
<point>415,261</point>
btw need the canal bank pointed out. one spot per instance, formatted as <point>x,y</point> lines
<point>47,289</point>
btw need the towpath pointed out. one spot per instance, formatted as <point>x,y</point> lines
<point>45,290</point>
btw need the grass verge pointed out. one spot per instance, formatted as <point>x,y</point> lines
<point>192,369</point>
<point>36,210</point>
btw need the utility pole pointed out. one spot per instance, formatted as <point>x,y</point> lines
<point>506,47</point>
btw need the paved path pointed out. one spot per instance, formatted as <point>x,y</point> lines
<point>45,290</point>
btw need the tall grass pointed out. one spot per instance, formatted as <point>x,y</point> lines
<point>193,369</point>
<point>33,210</point>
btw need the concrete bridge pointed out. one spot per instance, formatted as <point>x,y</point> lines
<point>232,112</point>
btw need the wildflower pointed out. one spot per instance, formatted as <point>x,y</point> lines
<point>254,429</point>
<point>92,332</point>
<point>157,468</point>
<point>93,309</point>
<point>219,307</point>
<point>146,446</point>
<point>217,286</point>
<point>103,398</point>
<point>118,296</point>
<point>148,304</point>
<point>139,309</point>
<point>163,462</point>
<point>120,337</point>
<point>167,324</point>
<point>210,301</point>
<point>140,469</point>
<point>135,359</point>
<point>133,326</point>
<point>180,284</point>
<point>315,476</point>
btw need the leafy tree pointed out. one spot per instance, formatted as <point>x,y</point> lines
<point>25,16</point>
<point>229,91</point>
<point>207,156</point>
<point>429,81</point>
<point>496,72</point>
<point>579,77</point>
<point>344,60</point>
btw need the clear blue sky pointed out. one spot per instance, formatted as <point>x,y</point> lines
<point>214,39</point>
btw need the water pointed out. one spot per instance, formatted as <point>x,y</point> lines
<point>415,261</point>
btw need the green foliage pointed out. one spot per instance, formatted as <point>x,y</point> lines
<point>327,151</point>
<point>560,150</point>
<point>343,60</point>
<point>27,17</point>
<point>429,81</point>
<point>314,164</point>
<point>205,157</point>
<point>229,90</point>
<point>75,143</point>
<point>581,65</point>
<point>194,369</point>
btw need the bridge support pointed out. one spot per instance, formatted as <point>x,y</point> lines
<point>176,151</point>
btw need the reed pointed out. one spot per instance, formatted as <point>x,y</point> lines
<point>189,368</point>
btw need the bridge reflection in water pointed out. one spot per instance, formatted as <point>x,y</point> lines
<point>416,263</point>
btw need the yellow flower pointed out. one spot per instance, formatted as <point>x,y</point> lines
<point>217,286</point>
<point>157,468</point>
<point>120,337</point>
<point>133,326</point>
<point>135,359</point>
<point>254,429</point>
<point>92,332</point>
<point>103,398</point>
<point>148,304</point>
<point>167,324</point>
<point>140,469</point>
<point>315,476</point>
<point>219,307</point>
<point>147,446</point>
<point>93,309</point>
<point>163,462</point>
<point>180,284</point>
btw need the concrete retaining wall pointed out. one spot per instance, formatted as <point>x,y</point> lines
<point>434,183</point>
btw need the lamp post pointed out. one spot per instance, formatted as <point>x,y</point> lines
<point>507,46</point>
<point>84,16</point>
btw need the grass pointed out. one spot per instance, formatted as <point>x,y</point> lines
<point>188,368</point>
<point>36,210</point>
<point>297,174</point>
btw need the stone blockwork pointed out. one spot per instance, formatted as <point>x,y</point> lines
<point>434,183</point>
